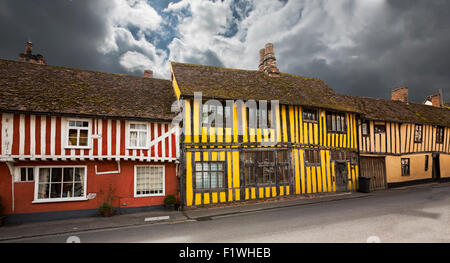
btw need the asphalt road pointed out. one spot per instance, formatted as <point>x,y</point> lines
<point>419,214</point>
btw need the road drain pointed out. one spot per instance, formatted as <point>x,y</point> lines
<point>206,218</point>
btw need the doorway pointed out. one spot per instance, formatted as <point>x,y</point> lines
<point>436,167</point>
<point>341,176</point>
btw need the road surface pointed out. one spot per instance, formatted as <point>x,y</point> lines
<point>415,214</point>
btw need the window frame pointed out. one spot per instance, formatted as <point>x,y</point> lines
<point>252,164</point>
<point>18,174</point>
<point>376,129</point>
<point>313,154</point>
<point>332,122</point>
<point>408,165</point>
<point>128,137</point>
<point>313,112</point>
<point>61,199</point>
<point>135,181</point>
<point>89,129</point>
<point>416,139</point>
<point>367,128</point>
<point>440,131</point>
<point>223,170</point>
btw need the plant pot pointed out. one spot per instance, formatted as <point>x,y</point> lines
<point>107,212</point>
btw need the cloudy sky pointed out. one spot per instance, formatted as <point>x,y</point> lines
<point>359,47</point>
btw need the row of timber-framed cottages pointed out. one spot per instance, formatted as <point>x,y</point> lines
<point>312,141</point>
<point>401,142</point>
<point>71,138</point>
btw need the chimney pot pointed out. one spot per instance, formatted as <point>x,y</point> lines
<point>29,47</point>
<point>267,61</point>
<point>148,73</point>
<point>400,94</point>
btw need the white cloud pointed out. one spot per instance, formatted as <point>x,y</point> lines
<point>301,31</point>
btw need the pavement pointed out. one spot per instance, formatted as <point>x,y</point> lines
<point>10,233</point>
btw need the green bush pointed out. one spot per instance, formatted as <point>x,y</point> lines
<point>106,209</point>
<point>170,200</point>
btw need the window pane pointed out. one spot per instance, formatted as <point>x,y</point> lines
<point>23,174</point>
<point>30,174</point>
<point>44,175</point>
<point>213,179</point>
<point>338,123</point>
<point>199,179</point>
<point>55,190</point>
<point>73,137</point>
<point>333,122</point>
<point>78,190</point>
<point>206,182</point>
<point>220,179</point>
<point>43,191</point>
<point>133,138</point>
<point>67,190</point>
<point>198,166</point>
<point>142,139</point>
<point>56,175</point>
<point>79,174</point>
<point>83,138</point>
<point>68,175</point>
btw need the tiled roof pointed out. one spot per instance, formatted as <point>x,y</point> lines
<point>225,83</point>
<point>37,88</point>
<point>390,110</point>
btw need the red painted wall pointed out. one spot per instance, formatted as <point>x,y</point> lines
<point>122,185</point>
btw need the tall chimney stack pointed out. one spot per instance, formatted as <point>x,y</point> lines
<point>436,100</point>
<point>29,48</point>
<point>148,73</point>
<point>267,61</point>
<point>400,94</point>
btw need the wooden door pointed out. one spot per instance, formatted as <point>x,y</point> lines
<point>341,174</point>
<point>375,168</point>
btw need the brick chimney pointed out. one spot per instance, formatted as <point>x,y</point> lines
<point>400,94</point>
<point>29,48</point>
<point>267,61</point>
<point>29,57</point>
<point>148,73</point>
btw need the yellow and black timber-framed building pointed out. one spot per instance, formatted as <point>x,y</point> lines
<point>310,145</point>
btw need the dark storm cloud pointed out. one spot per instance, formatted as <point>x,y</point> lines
<point>408,46</point>
<point>66,33</point>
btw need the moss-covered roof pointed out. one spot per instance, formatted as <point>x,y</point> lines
<point>225,83</point>
<point>50,89</point>
<point>390,110</point>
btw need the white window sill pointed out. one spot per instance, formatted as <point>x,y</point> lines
<point>137,148</point>
<point>149,195</point>
<point>78,147</point>
<point>57,200</point>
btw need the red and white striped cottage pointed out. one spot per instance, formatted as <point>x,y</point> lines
<point>72,139</point>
